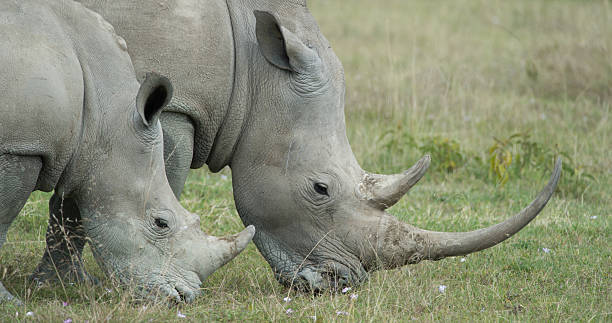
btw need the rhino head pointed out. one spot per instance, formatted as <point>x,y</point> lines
<point>321,218</point>
<point>138,230</point>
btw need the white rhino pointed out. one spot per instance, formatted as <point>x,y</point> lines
<point>75,120</point>
<point>259,89</point>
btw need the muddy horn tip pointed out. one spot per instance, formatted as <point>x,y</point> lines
<point>245,237</point>
<point>424,163</point>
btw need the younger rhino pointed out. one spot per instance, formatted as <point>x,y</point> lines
<point>72,122</point>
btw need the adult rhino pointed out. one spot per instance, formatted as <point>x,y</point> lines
<point>75,120</point>
<point>259,89</point>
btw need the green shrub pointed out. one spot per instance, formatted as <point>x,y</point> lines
<point>518,153</point>
<point>446,154</point>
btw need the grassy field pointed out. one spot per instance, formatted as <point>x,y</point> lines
<point>453,79</point>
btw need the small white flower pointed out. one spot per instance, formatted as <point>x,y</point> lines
<point>354,296</point>
<point>442,288</point>
<point>30,314</point>
<point>181,315</point>
<point>289,311</point>
<point>593,217</point>
<point>313,317</point>
<point>346,290</point>
<point>342,313</point>
<point>108,290</point>
<point>287,299</point>
<point>462,260</point>
<point>546,250</point>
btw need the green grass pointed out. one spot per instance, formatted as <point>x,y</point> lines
<point>467,71</point>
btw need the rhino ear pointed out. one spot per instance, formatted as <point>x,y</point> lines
<point>281,47</point>
<point>154,94</point>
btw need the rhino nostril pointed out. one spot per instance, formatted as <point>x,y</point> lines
<point>313,280</point>
<point>187,294</point>
<point>344,281</point>
<point>170,294</point>
<point>335,281</point>
<point>182,296</point>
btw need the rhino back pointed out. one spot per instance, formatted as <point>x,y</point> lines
<point>50,96</point>
<point>190,41</point>
<point>42,87</point>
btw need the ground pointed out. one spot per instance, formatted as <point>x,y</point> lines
<point>455,79</point>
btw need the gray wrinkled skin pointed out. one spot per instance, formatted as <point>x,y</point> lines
<point>75,120</point>
<point>260,89</point>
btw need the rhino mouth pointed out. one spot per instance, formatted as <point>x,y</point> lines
<point>173,290</point>
<point>332,277</point>
<point>316,272</point>
<point>180,290</point>
<point>178,293</point>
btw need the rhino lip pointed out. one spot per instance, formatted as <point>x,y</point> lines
<point>186,294</point>
<point>178,294</point>
<point>331,277</point>
<point>336,280</point>
<point>174,291</point>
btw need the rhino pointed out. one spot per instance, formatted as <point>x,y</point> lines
<point>75,120</point>
<point>259,89</point>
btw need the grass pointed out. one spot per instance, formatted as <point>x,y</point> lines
<point>464,71</point>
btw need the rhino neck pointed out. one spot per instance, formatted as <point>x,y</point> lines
<point>230,129</point>
<point>217,127</point>
<point>240,108</point>
<point>107,92</point>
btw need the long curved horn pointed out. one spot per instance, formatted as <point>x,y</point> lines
<point>383,191</point>
<point>404,244</point>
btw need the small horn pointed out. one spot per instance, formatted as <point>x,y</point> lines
<point>220,251</point>
<point>383,191</point>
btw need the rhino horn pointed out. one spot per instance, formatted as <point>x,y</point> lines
<point>383,191</point>
<point>400,244</point>
<point>221,250</point>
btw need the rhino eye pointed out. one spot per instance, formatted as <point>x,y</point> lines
<point>321,189</point>
<point>161,223</point>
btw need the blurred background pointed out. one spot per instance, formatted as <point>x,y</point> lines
<point>460,78</point>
